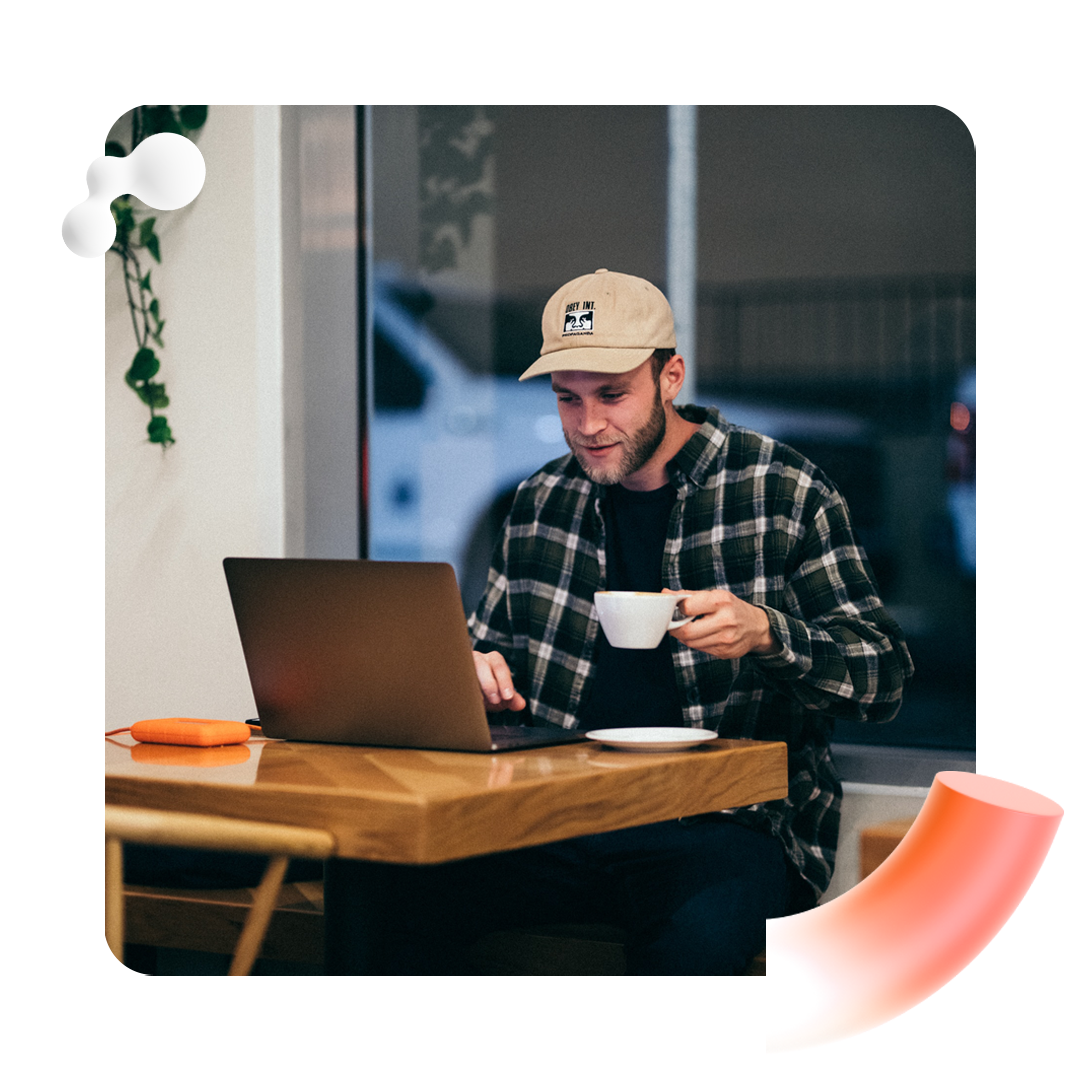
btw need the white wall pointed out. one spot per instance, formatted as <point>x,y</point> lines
<point>172,516</point>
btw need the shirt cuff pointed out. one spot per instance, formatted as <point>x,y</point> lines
<point>787,660</point>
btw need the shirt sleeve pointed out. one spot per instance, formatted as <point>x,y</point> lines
<point>841,651</point>
<point>490,626</point>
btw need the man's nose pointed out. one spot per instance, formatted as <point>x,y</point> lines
<point>593,417</point>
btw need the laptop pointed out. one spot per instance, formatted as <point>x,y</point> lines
<point>367,653</point>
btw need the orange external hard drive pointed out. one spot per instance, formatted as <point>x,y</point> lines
<point>183,731</point>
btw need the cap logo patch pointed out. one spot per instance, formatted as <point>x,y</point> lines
<point>578,318</point>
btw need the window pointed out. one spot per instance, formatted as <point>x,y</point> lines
<point>835,311</point>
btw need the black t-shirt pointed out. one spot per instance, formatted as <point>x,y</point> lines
<point>634,687</point>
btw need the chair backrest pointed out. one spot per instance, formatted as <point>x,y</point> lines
<point>170,828</point>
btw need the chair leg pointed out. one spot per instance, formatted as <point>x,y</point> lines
<point>258,920</point>
<point>114,896</point>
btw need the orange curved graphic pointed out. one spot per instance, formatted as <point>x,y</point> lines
<point>916,921</point>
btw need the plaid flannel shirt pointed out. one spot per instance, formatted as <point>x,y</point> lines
<point>753,517</point>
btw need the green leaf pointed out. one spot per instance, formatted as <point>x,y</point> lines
<point>145,366</point>
<point>162,118</point>
<point>124,217</point>
<point>153,394</point>
<point>146,229</point>
<point>192,117</point>
<point>145,284</point>
<point>158,431</point>
<point>154,309</point>
<point>151,245</point>
<point>115,149</point>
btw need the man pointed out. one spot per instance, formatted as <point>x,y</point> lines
<point>787,634</point>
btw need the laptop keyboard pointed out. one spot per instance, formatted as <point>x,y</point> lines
<point>518,736</point>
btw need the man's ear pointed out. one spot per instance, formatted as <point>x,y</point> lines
<point>672,376</point>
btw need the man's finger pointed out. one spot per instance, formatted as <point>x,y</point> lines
<point>703,602</point>
<point>496,682</point>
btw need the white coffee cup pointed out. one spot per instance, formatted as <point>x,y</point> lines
<point>637,620</point>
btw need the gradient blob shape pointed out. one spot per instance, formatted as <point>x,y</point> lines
<point>166,171</point>
<point>916,921</point>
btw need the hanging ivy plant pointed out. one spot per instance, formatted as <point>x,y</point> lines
<point>134,235</point>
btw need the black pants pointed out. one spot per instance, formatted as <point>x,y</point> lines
<point>692,895</point>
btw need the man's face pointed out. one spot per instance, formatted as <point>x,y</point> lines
<point>612,423</point>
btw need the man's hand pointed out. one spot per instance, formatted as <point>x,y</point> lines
<point>725,626</point>
<point>496,683</point>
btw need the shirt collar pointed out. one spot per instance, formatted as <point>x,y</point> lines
<point>696,459</point>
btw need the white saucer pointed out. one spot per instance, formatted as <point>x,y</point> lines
<point>651,739</point>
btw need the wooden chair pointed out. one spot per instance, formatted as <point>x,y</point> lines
<point>173,829</point>
<point>878,842</point>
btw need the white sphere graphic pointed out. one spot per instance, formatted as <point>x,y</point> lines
<point>165,171</point>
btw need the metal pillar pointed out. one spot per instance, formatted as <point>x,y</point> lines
<point>682,235</point>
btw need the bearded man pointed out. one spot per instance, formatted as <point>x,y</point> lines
<point>787,634</point>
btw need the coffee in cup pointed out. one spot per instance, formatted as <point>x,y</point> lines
<point>637,620</point>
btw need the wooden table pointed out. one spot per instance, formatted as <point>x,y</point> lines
<point>423,807</point>
<point>420,806</point>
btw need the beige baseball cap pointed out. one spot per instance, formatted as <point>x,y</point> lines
<point>603,322</point>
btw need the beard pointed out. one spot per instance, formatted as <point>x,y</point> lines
<point>637,448</point>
